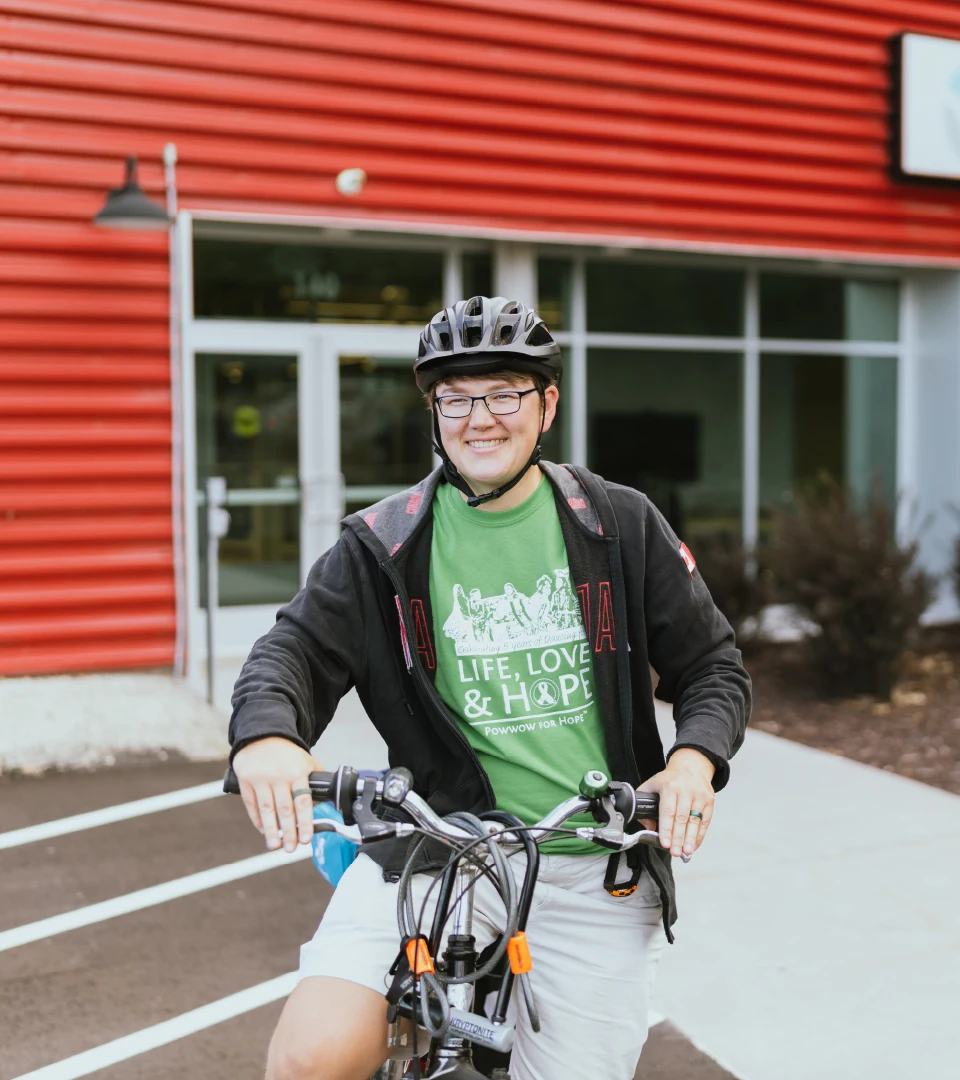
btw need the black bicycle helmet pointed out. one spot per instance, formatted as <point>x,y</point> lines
<point>481,336</point>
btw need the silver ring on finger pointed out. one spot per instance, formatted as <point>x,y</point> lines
<point>297,792</point>
<point>696,814</point>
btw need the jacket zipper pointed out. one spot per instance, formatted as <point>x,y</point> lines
<point>428,690</point>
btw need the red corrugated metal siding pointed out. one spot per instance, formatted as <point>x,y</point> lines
<point>747,122</point>
<point>761,122</point>
<point>86,578</point>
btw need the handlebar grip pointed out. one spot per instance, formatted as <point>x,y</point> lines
<point>648,804</point>
<point>321,784</point>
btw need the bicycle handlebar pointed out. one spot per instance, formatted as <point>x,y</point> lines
<point>323,787</point>
<point>614,805</point>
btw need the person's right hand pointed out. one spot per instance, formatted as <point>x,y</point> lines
<point>269,771</point>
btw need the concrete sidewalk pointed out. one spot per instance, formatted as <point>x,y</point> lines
<point>88,721</point>
<point>819,931</point>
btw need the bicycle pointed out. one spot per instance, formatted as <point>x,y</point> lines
<point>436,994</point>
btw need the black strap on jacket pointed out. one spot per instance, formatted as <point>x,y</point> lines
<point>599,497</point>
<point>629,886</point>
<point>608,522</point>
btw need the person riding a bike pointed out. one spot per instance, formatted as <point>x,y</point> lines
<point>499,622</point>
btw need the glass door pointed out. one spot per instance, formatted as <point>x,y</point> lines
<point>247,432</point>
<point>305,424</point>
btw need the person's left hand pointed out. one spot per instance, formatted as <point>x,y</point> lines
<point>683,786</point>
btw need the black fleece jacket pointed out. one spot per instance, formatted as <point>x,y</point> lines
<point>364,619</point>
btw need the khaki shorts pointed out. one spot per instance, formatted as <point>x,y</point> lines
<point>594,957</point>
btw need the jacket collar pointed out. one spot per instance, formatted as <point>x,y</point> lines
<point>385,526</point>
<point>575,495</point>
<point>389,523</point>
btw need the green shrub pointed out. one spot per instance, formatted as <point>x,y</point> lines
<point>841,565</point>
<point>737,588</point>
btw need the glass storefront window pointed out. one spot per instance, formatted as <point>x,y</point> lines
<point>554,284</point>
<point>477,269</point>
<point>670,424</point>
<point>247,280</point>
<point>632,298</point>
<point>804,307</point>
<point>247,432</point>
<point>385,433</point>
<point>667,422</point>
<point>827,416</point>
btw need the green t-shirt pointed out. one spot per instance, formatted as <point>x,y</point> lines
<point>513,660</point>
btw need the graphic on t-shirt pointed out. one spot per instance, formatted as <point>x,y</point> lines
<point>513,621</point>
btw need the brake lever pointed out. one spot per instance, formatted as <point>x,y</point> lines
<point>652,839</point>
<point>643,836</point>
<point>613,836</point>
<point>610,835</point>
<point>368,826</point>
<point>348,832</point>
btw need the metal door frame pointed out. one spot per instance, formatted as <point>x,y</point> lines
<point>317,350</point>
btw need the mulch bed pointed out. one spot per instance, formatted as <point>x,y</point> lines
<point>916,733</point>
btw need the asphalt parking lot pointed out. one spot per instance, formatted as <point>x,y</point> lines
<point>161,944</point>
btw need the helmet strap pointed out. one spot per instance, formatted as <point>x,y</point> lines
<point>453,476</point>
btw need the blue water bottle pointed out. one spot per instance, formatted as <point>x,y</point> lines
<point>332,854</point>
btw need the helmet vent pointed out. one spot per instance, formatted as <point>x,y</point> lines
<point>539,335</point>
<point>506,334</point>
<point>474,306</point>
<point>444,341</point>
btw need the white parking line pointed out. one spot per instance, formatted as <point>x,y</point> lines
<point>178,1027</point>
<point>109,814</point>
<point>142,898</point>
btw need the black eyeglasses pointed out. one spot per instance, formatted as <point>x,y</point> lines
<point>498,403</point>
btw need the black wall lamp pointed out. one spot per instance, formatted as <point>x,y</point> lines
<point>129,207</point>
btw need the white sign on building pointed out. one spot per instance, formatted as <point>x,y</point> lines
<point>930,107</point>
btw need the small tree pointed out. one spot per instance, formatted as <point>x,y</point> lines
<point>839,562</point>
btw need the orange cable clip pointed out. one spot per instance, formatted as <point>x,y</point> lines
<point>519,952</point>
<point>627,890</point>
<point>418,956</point>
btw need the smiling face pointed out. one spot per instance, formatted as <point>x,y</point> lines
<point>489,450</point>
